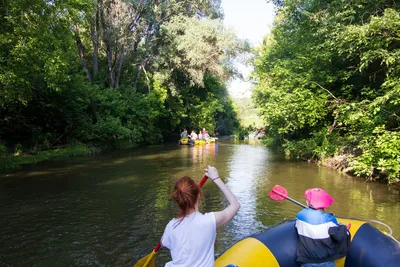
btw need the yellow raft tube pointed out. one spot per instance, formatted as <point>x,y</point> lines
<point>276,246</point>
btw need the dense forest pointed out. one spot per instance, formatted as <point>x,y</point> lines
<point>328,84</point>
<point>98,73</point>
<point>95,72</point>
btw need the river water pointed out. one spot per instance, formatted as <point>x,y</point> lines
<point>111,209</point>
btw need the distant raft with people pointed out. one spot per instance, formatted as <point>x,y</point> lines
<point>197,142</point>
<point>276,247</point>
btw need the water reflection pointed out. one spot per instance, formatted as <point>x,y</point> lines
<point>247,167</point>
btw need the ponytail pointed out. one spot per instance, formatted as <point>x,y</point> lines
<point>186,194</point>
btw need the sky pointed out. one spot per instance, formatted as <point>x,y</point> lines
<point>251,20</point>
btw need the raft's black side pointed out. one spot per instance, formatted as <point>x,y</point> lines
<point>281,241</point>
<point>371,248</point>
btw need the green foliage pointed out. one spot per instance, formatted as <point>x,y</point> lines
<point>319,146</point>
<point>12,162</point>
<point>37,49</point>
<point>381,155</point>
<point>3,150</point>
<point>328,78</point>
<point>242,132</point>
<point>248,113</point>
<point>103,74</point>
<point>199,47</point>
<point>274,142</point>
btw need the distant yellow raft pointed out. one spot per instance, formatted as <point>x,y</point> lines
<point>211,140</point>
<point>204,142</point>
<point>184,141</point>
<point>197,142</point>
<point>276,247</point>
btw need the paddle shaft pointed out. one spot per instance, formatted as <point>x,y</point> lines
<point>200,185</point>
<point>290,199</point>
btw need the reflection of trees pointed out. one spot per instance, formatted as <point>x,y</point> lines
<point>355,198</point>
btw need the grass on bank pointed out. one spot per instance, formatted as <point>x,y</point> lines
<point>14,161</point>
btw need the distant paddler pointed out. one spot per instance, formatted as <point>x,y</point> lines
<point>205,134</point>
<point>193,136</point>
<point>184,133</point>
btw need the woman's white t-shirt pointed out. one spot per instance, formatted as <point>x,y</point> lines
<point>191,240</point>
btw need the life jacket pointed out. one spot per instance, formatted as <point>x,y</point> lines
<point>321,238</point>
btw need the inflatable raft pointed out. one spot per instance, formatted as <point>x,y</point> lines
<point>186,141</point>
<point>276,246</point>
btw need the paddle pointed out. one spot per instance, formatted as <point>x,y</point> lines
<point>150,259</point>
<point>280,193</point>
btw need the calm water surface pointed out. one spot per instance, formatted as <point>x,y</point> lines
<point>110,210</point>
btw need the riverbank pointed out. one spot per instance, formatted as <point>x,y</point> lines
<point>341,163</point>
<point>14,162</point>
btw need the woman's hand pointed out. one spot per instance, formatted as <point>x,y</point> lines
<point>212,173</point>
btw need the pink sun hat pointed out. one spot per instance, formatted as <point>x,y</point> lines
<point>318,199</point>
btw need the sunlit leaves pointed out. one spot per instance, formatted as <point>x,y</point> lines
<point>199,47</point>
<point>331,71</point>
<point>381,155</point>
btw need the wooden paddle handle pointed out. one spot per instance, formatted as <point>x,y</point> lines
<point>202,182</point>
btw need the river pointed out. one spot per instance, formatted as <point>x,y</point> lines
<point>111,209</point>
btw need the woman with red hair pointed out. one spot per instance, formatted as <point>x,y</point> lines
<point>191,235</point>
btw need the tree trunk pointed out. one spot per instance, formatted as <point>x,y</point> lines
<point>147,79</point>
<point>94,28</point>
<point>81,52</point>
<point>138,73</point>
<point>121,60</point>
<point>143,63</point>
<point>110,63</point>
<point>107,41</point>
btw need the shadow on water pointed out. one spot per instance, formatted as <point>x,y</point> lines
<point>90,211</point>
<point>110,210</point>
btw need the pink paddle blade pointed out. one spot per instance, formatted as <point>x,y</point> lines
<point>278,193</point>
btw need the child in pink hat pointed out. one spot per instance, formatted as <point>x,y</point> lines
<point>317,198</point>
<point>321,239</point>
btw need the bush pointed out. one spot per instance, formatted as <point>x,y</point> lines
<point>320,146</point>
<point>241,133</point>
<point>380,156</point>
<point>3,150</point>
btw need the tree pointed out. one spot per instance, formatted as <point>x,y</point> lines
<point>97,71</point>
<point>327,81</point>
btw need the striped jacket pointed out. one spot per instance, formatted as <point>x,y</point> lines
<point>321,238</point>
